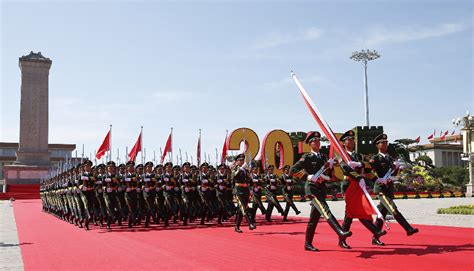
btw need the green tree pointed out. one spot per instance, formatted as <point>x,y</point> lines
<point>455,176</point>
<point>424,160</point>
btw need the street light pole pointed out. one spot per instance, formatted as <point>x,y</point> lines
<point>467,128</point>
<point>365,56</point>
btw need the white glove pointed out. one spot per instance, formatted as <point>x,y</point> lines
<point>204,181</point>
<point>331,163</point>
<point>128,189</point>
<point>313,178</point>
<point>381,180</point>
<point>139,189</point>
<point>185,180</point>
<point>84,188</point>
<point>219,181</point>
<point>109,190</point>
<point>147,189</point>
<point>147,179</point>
<point>272,187</point>
<point>354,165</point>
<point>108,180</point>
<point>397,164</point>
<point>272,180</point>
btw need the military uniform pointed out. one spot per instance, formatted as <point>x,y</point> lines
<point>354,174</point>
<point>271,192</point>
<point>131,198</point>
<point>256,191</point>
<point>288,184</point>
<point>305,169</point>
<point>88,193</point>
<point>381,163</point>
<point>241,180</point>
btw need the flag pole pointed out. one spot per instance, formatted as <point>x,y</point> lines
<point>110,143</point>
<point>141,143</point>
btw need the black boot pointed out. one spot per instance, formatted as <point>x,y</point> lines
<point>238,220</point>
<point>147,221</point>
<point>310,229</point>
<point>250,222</point>
<point>346,225</point>
<point>404,223</point>
<point>335,226</point>
<point>86,225</point>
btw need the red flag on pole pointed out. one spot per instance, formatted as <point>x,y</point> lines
<point>105,147</point>
<point>431,136</point>
<point>224,150</point>
<point>359,204</point>
<point>454,131</point>
<point>198,154</point>
<point>418,139</point>
<point>136,148</point>
<point>167,148</point>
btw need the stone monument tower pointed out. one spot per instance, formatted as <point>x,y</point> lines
<point>33,146</point>
<point>32,158</point>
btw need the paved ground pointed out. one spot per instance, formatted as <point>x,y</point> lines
<point>417,211</point>
<point>10,253</point>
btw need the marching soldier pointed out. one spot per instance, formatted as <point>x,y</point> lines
<point>99,193</point>
<point>353,173</point>
<point>256,192</point>
<point>241,180</point>
<point>188,187</point>
<point>310,168</point>
<point>149,193</point>
<point>88,193</point>
<point>131,197</point>
<point>207,193</point>
<point>111,184</point>
<point>271,192</point>
<point>288,183</point>
<point>160,199</point>
<point>123,208</point>
<point>171,203</point>
<point>382,163</point>
<point>224,187</point>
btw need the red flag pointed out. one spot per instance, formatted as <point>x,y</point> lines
<point>454,131</point>
<point>105,147</point>
<point>358,201</point>
<point>136,148</point>
<point>431,136</point>
<point>224,151</point>
<point>446,133</point>
<point>198,155</point>
<point>417,140</point>
<point>443,136</point>
<point>331,151</point>
<point>167,148</point>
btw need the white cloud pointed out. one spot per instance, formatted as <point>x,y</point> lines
<point>383,35</point>
<point>275,39</point>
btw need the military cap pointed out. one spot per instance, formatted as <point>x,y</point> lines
<point>313,135</point>
<point>253,165</point>
<point>193,167</point>
<point>221,166</point>
<point>186,164</point>
<point>131,163</point>
<point>139,166</point>
<point>101,165</point>
<point>205,164</point>
<point>286,167</point>
<point>176,167</point>
<point>149,164</point>
<point>271,166</point>
<point>240,156</point>
<point>111,163</point>
<point>380,138</point>
<point>168,164</point>
<point>346,135</point>
<point>121,165</point>
<point>87,161</point>
<point>159,166</point>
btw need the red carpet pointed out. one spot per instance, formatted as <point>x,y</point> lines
<point>21,191</point>
<point>48,243</point>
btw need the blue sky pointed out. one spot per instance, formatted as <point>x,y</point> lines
<point>223,65</point>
